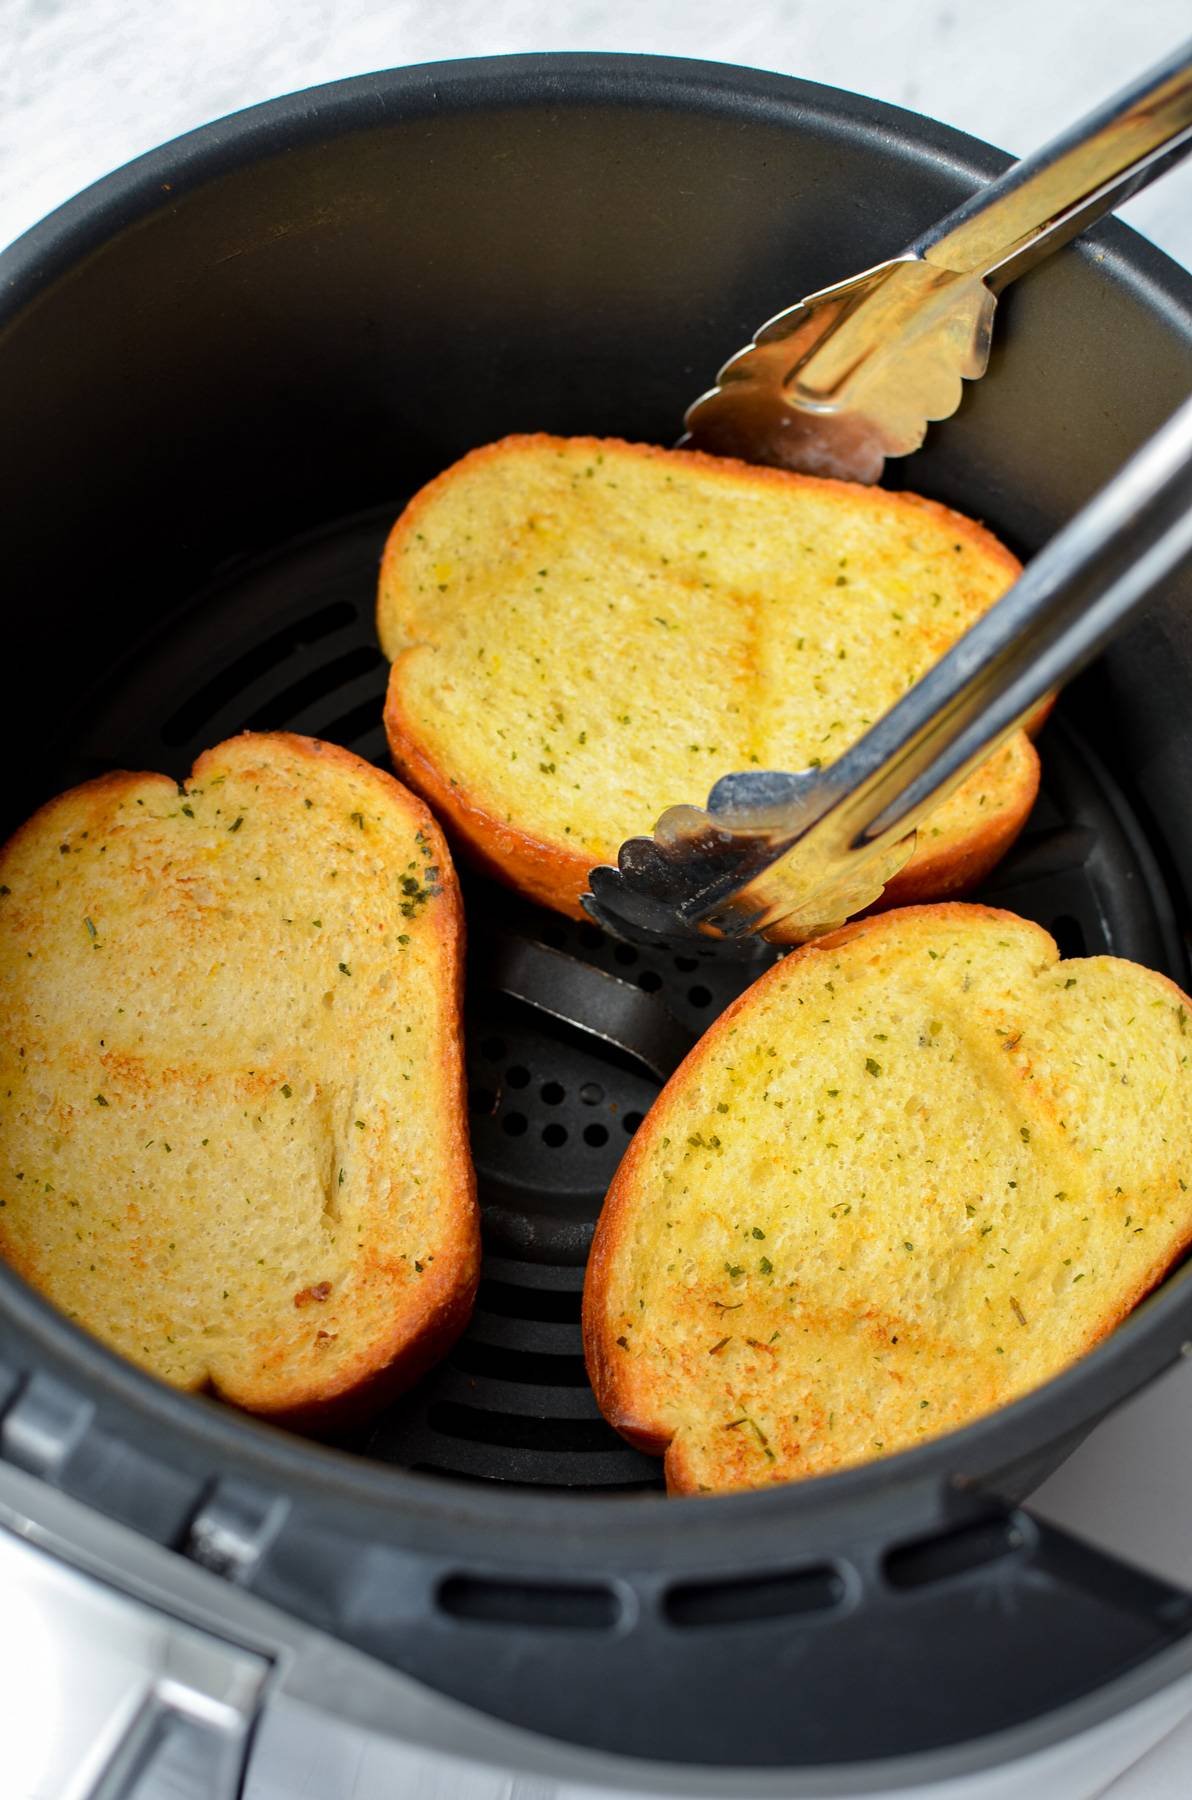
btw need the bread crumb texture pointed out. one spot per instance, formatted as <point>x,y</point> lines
<point>585,632</point>
<point>233,1142</point>
<point>913,1172</point>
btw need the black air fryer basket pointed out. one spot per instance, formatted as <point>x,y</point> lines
<point>222,371</point>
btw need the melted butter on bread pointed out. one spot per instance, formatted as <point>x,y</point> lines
<point>585,632</point>
<point>914,1171</point>
<point>233,1140</point>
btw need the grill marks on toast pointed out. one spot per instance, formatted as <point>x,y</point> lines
<point>915,1171</point>
<point>584,632</point>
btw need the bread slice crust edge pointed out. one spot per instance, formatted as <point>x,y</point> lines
<point>611,1378</point>
<point>384,1368</point>
<point>552,872</point>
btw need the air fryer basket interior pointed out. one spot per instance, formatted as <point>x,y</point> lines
<point>222,373</point>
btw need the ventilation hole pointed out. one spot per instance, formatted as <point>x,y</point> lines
<point>555,1306</point>
<point>649,980</point>
<point>743,1602</point>
<point>591,1093</point>
<point>686,965</point>
<point>493,1048</point>
<point>281,708</point>
<point>517,1431</point>
<point>631,1121</point>
<point>626,954</point>
<point>699,995</point>
<point>953,1553</point>
<point>553,1093</point>
<point>482,1100</point>
<point>554,936</point>
<point>590,938</point>
<point>514,1124</point>
<point>1068,933</point>
<point>595,1135</point>
<point>538,1605</point>
<point>233,679</point>
<point>554,1136</point>
<point>533,1368</point>
<point>518,1076</point>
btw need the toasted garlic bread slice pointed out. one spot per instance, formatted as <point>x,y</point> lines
<point>233,1141</point>
<point>914,1171</point>
<point>584,632</point>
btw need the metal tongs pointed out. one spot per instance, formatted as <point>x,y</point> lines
<point>808,851</point>
<point>832,387</point>
<point>853,374</point>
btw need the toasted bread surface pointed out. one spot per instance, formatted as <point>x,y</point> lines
<point>585,632</point>
<point>913,1172</point>
<point>233,1143</point>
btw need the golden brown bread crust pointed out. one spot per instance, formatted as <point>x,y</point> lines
<point>945,875</point>
<point>750,474</point>
<point>448,1292</point>
<point>420,1336</point>
<point>557,877</point>
<point>545,871</point>
<point>638,1412</point>
<point>550,871</point>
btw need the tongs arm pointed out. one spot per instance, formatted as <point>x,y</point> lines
<point>810,849</point>
<point>1064,607</point>
<point>1049,197</point>
<point>855,372</point>
<point>1004,229</point>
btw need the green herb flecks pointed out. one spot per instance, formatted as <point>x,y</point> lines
<point>418,888</point>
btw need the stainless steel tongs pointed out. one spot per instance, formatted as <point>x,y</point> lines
<point>810,850</point>
<point>853,374</point>
<point>832,387</point>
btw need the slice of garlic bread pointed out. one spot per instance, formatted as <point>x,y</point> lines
<point>233,1142</point>
<point>915,1170</point>
<point>584,632</point>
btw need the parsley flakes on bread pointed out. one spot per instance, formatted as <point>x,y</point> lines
<point>584,632</point>
<point>233,1142</point>
<point>917,1169</point>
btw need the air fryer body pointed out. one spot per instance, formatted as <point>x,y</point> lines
<point>222,371</point>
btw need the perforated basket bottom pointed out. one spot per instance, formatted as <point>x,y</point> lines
<point>289,643</point>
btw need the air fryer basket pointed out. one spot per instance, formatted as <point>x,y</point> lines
<point>222,372</point>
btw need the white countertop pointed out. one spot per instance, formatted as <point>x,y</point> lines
<point>86,84</point>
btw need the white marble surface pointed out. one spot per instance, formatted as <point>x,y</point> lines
<point>86,84</point>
